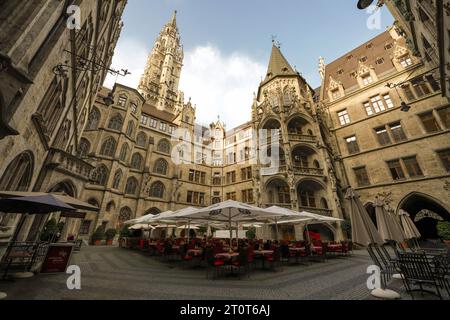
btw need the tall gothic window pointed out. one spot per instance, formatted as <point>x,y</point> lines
<point>141,139</point>
<point>124,215</point>
<point>136,161</point>
<point>51,105</point>
<point>93,120</point>
<point>124,152</point>
<point>130,129</point>
<point>83,148</point>
<point>131,186</point>
<point>102,175</point>
<point>117,178</point>
<point>116,122</point>
<point>109,147</point>
<point>157,190</point>
<point>164,146</point>
<point>18,174</point>
<point>160,167</point>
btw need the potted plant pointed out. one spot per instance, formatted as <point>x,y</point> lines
<point>109,235</point>
<point>98,236</point>
<point>124,233</point>
<point>443,228</point>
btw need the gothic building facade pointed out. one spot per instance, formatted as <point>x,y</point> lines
<point>143,152</point>
<point>49,79</point>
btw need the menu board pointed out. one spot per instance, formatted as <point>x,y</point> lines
<point>57,258</point>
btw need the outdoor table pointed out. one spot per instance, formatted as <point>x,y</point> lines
<point>263,252</point>
<point>335,247</point>
<point>194,252</point>
<point>226,255</point>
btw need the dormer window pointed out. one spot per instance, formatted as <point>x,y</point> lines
<point>335,94</point>
<point>367,79</point>
<point>122,101</point>
<point>363,59</point>
<point>406,61</point>
<point>340,71</point>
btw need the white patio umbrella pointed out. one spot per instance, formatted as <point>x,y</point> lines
<point>141,227</point>
<point>409,228</point>
<point>388,227</point>
<point>230,212</point>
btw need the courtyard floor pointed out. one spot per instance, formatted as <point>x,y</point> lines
<point>115,273</point>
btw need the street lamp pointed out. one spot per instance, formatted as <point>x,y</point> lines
<point>403,106</point>
<point>363,4</point>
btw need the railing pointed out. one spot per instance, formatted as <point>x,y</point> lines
<point>321,211</point>
<point>70,164</point>
<point>308,171</point>
<point>270,171</point>
<point>282,205</point>
<point>302,137</point>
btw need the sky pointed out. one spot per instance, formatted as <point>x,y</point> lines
<point>227,44</point>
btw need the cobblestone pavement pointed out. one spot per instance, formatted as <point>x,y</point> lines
<point>115,273</point>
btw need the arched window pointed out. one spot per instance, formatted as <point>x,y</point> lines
<point>102,175</point>
<point>316,164</point>
<point>83,148</point>
<point>93,120</point>
<point>215,200</point>
<point>110,206</point>
<point>164,146</point>
<point>109,147</point>
<point>124,215</point>
<point>130,129</point>
<point>137,161</point>
<point>117,178</point>
<point>324,203</point>
<point>18,174</point>
<point>157,190</point>
<point>124,152</point>
<point>141,139</point>
<point>160,167</point>
<point>116,122</point>
<point>307,198</point>
<point>131,186</point>
<point>310,132</point>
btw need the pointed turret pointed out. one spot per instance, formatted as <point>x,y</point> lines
<point>173,22</point>
<point>159,83</point>
<point>278,65</point>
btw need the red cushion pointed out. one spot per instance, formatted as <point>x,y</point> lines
<point>188,257</point>
<point>218,263</point>
<point>269,259</point>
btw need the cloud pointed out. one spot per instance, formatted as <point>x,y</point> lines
<point>132,55</point>
<point>220,84</point>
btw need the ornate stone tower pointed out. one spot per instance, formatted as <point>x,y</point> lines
<point>303,178</point>
<point>159,83</point>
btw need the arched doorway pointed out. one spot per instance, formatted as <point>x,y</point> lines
<point>322,230</point>
<point>65,187</point>
<point>17,177</point>
<point>425,211</point>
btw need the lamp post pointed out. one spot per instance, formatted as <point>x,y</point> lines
<point>363,4</point>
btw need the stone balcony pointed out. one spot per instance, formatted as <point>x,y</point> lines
<point>281,205</point>
<point>308,171</point>
<point>302,138</point>
<point>321,211</point>
<point>69,164</point>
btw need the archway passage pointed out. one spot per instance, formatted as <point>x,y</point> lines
<point>320,230</point>
<point>427,226</point>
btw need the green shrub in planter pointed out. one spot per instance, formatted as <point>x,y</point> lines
<point>250,234</point>
<point>99,234</point>
<point>443,228</point>
<point>49,230</point>
<point>110,234</point>
<point>124,232</point>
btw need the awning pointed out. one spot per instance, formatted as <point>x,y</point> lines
<point>73,202</point>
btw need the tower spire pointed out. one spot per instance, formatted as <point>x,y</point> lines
<point>159,83</point>
<point>173,22</point>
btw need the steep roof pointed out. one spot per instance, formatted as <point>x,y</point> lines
<point>278,65</point>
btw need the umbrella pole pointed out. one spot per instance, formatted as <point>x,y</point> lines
<point>237,235</point>
<point>276,227</point>
<point>231,230</point>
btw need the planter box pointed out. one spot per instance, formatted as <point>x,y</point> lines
<point>97,242</point>
<point>109,242</point>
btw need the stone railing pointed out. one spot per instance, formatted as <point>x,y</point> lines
<point>282,205</point>
<point>302,137</point>
<point>70,164</point>
<point>321,211</point>
<point>308,171</point>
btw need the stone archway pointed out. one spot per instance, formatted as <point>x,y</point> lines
<point>326,232</point>
<point>415,203</point>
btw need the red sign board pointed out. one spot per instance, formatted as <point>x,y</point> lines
<point>57,258</point>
